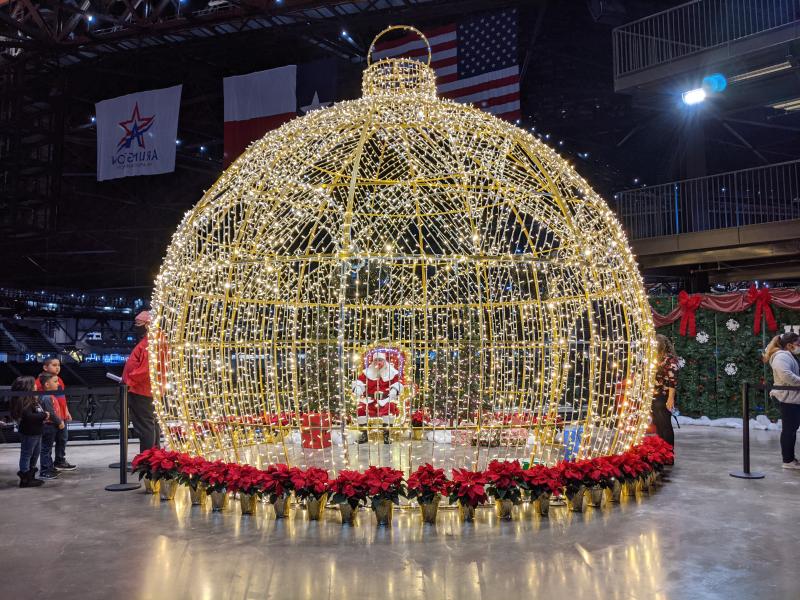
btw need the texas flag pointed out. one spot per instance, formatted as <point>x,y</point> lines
<point>259,102</point>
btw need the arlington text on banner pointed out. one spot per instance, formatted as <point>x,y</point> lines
<point>136,133</point>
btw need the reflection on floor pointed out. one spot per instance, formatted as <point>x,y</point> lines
<point>703,535</point>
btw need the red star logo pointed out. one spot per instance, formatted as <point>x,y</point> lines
<point>135,128</point>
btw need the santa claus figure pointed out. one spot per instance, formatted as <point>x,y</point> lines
<point>377,390</point>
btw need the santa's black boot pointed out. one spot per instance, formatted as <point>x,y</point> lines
<point>386,436</point>
<point>363,439</point>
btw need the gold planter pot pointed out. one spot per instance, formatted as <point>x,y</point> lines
<point>577,501</point>
<point>168,488</point>
<point>316,506</point>
<point>466,511</point>
<point>198,495</point>
<point>616,491</point>
<point>383,512</point>
<point>248,503</point>
<point>219,501</point>
<point>348,514</point>
<point>430,509</point>
<point>417,433</point>
<point>282,506</point>
<point>503,508</point>
<point>597,496</point>
<point>542,504</point>
<point>150,486</point>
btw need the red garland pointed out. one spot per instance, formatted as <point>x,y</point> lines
<point>689,305</point>
<point>763,300</point>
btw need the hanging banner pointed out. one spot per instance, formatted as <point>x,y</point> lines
<point>136,133</point>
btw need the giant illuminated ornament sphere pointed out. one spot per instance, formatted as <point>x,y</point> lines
<point>462,245</point>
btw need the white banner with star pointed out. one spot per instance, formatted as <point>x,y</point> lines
<point>136,134</point>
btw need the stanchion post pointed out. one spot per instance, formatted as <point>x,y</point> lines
<point>745,472</point>
<point>123,484</point>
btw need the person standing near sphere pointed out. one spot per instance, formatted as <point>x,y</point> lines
<point>664,393</point>
<point>782,354</point>
<point>136,375</point>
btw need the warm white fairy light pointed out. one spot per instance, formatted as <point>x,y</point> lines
<point>411,220</point>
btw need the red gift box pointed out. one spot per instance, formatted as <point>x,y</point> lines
<point>315,430</point>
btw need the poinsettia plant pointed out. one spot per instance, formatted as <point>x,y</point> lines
<point>630,465</point>
<point>655,452</point>
<point>506,480</point>
<point>468,487</point>
<point>384,483</point>
<point>426,482</point>
<point>278,481</point>
<point>310,483</point>
<point>418,418</point>
<point>214,476</point>
<point>602,472</point>
<point>574,475</point>
<point>245,479</point>
<point>189,468</point>
<point>543,480</point>
<point>349,487</point>
<point>157,464</point>
<point>141,463</point>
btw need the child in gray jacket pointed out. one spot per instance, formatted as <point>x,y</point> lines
<point>49,383</point>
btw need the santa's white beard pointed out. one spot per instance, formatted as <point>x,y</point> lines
<point>384,374</point>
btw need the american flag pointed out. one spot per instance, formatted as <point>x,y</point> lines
<point>475,61</point>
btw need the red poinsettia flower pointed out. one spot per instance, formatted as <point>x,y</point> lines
<point>142,460</point>
<point>541,479</point>
<point>426,482</point>
<point>214,475</point>
<point>384,483</point>
<point>245,479</point>
<point>310,482</point>
<point>418,418</point>
<point>506,479</point>
<point>349,487</point>
<point>468,487</point>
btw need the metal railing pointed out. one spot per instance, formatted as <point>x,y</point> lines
<point>694,27</point>
<point>747,197</point>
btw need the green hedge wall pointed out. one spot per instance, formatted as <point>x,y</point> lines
<point>704,387</point>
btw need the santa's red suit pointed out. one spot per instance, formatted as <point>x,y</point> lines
<point>377,392</point>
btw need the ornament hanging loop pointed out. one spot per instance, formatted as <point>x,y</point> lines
<point>399,28</point>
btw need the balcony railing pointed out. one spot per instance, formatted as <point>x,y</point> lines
<point>693,27</point>
<point>748,197</point>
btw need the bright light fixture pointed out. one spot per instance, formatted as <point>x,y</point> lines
<point>694,96</point>
<point>793,104</point>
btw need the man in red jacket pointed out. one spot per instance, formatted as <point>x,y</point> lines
<point>52,365</point>
<point>136,375</point>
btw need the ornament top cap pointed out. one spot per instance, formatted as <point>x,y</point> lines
<point>399,76</point>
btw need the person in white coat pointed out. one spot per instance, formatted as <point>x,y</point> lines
<point>782,354</point>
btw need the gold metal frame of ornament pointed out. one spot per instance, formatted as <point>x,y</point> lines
<point>399,28</point>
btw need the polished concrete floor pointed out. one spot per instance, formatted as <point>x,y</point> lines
<point>702,535</point>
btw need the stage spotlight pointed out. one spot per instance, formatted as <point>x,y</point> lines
<point>693,96</point>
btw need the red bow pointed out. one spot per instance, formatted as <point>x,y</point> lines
<point>763,299</point>
<point>689,304</point>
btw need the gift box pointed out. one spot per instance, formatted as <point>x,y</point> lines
<point>315,430</point>
<point>516,436</point>
<point>461,437</point>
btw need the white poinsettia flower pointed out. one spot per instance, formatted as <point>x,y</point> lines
<point>732,324</point>
<point>702,337</point>
<point>731,369</point>
<point>681,362</point>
